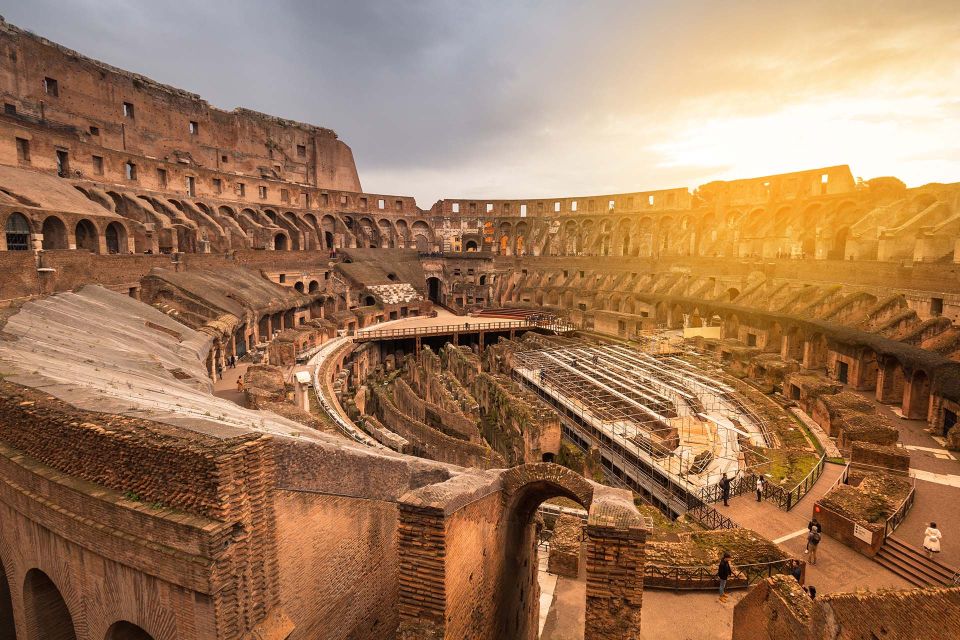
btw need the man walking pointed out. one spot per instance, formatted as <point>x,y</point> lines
<point>725,489</point>
<point>759,488</point>
<point>723,572</point>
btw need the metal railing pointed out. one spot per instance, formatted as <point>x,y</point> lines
<point>680,578</point>
<point>465,327</point>
<point>897,517</point>
<point>787,499</point>
<point>710,518</point>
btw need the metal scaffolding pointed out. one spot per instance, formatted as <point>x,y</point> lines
<point>672,418</point>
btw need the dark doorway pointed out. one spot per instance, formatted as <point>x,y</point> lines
<point>433,289</point>
<point>949,420</point>
<point>843,370</point>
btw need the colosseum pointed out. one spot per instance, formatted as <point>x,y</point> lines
<point>243,398</point>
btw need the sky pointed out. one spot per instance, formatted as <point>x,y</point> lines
<point>533,99</point>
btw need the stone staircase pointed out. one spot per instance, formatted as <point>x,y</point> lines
<point>912,564</point>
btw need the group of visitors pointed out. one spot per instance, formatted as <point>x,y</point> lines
<point>725,488</point>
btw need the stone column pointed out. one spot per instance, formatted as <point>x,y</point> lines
<point>421,547</point>
<point>615,559</point>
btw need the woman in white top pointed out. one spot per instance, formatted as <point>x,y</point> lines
<point>931,539</point>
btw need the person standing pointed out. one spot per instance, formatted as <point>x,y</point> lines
<point>759,488</point>
<point>723,572</point>
<point>813,541</point>
<point>240,384</point>
<point>931,540</point>
<point>725,489</point>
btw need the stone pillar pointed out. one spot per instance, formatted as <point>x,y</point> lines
<point>422,598</point>
<point>615,558</point>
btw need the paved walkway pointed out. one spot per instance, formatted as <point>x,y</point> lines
<point>839,568</point>
<point>227,387</point>
<point>937,473</point>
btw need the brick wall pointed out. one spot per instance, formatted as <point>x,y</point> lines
<point>338,565</point>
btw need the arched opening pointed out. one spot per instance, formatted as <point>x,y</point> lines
<point>470,246</point>
<point>916,401</point>
<point>314,286</point>
<point>116,237</point>
<point>732,293</point>
<point>328,239</point>
<point>731,327</point>
<point>433,289</point>
<point>7,629</point>
<point>792,345</point>
<point>369,301</point>
<point>423,244</point>
<point>517,602</point>
<point>392,277</point>
<point>47,615</point>
<point>87,237</point>
<point>280,242</point>
<point>124,630</point>
<point>299,287</point>
<point>54,234</point>
<point>18,232</point>
<point>838,250</point>
<point>483,280</point>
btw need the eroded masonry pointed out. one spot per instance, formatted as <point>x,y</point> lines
<point>240,397</point>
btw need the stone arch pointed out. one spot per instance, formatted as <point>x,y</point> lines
<point>123,630</point>
<point>525,488</point>
<point>838,245</point>
<point>731,327</point>
<point>314,286</point>
<point>470,246</point>
<point>676,317</point>
<point>792,344</point>
<point>815,355</point>
<point>47,616</point>
<point>664,238</point>
<point>732,293</point>
<point>116,238</point>
<point>17,232</point>
<point>280,242</point>
<point>54,234</point>
<point>299,287</point>
<point>420,229</point>
<point>87,236</point>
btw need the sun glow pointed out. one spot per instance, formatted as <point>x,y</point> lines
<point>870,134</point>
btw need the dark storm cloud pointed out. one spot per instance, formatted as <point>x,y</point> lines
<point>538,98</point>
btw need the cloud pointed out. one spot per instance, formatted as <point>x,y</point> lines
<point>537,98</point>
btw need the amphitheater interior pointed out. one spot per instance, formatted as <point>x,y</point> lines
<point>242,397</point>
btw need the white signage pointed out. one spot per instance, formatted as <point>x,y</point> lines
<point>863,533</point>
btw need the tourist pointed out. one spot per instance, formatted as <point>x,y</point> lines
<point>813,541</point>
<point>725,488</point>
<point>759,488</point>
<point>931,540</point>
<point>796,570</point>
<point>240,384</point>
<point>812,591</point>
<point>814,523</point>
<point>723,572</point>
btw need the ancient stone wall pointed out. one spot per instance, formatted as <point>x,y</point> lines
<point>332,585</point>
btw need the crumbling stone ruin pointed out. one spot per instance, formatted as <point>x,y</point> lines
<point>380,470</point>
